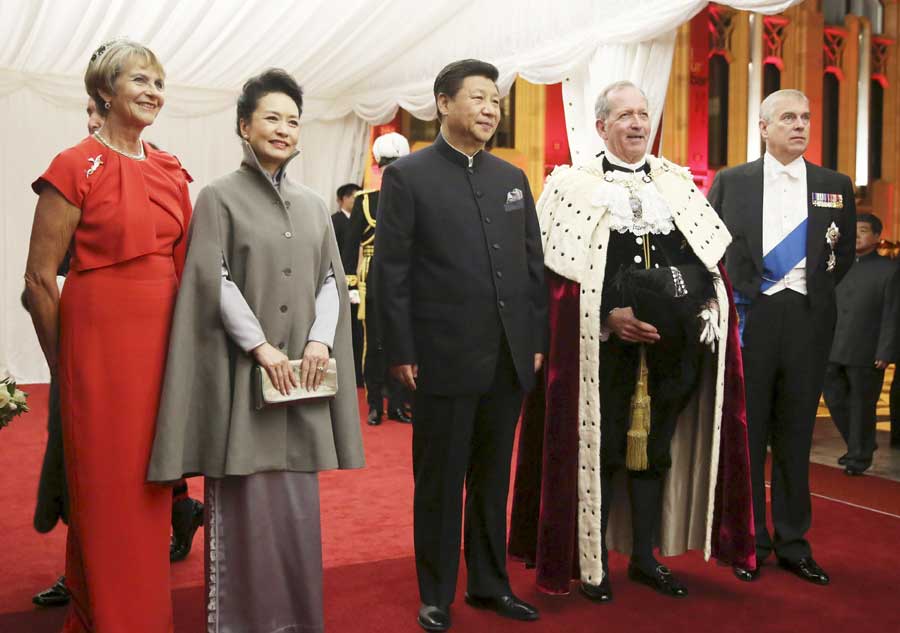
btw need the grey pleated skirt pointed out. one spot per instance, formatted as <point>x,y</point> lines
<point>264,554</point>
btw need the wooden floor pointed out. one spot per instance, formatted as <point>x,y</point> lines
<point>828,445</point>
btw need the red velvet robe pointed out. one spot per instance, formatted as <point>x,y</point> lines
<point>544,523</point>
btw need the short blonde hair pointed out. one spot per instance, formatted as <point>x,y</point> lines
<point>107,64</point>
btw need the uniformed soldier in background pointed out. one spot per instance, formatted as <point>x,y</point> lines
<point>357,254</point>
<point>460,288</point>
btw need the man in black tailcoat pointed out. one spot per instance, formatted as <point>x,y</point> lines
<point>793,226</point>
<point>865,343</point>
<point>463,304</point>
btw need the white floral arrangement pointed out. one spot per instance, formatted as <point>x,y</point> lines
<point>13,401</point>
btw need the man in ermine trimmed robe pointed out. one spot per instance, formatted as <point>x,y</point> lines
<point>632,251</point>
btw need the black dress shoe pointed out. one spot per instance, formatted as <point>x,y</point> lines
<point>597,593</point>
<point>508,606</point>
<point>55,596</point>
<point>807,569</point>
<point>842,460</point>
<point>374,418</point>
<point>661,579</point>
<point>853,471</point>
<point>747,575</point>
<point>399,415</point>
<point>187,517</point>
<point>432,618</point>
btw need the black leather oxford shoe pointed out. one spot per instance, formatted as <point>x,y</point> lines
<point>747,575</point>
<point>399,415</point>
<point>597,593</point>
<point>55,596</point>
<point>807,569</point>
<point>434,618</point>
<point>374,418</point>
<point>187,517</point>
<point>508,606</point>
<point>661,579</point>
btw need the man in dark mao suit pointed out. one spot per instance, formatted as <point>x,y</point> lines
<point>463,303</point>
<point>793,226</point>
<point>865,343</point>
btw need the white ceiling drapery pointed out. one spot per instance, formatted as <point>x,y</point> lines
<point>358,61</point>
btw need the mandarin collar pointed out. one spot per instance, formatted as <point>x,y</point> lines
<point>252,161</point>
<point>868,256</point>
<point>456,156</point>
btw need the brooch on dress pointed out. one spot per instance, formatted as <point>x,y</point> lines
<point>95,162</point>
<point>832,235</point>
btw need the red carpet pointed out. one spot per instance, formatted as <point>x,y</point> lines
<point>370,583</point>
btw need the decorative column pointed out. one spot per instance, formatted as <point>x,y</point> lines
<point>738,81</point>
<point>675,127</point>
<point>882,192</point>
<point>529,126</point>
<point>849,105</point>
<point>804,68</point>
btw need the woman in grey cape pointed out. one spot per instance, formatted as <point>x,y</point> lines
<point>260,286</point>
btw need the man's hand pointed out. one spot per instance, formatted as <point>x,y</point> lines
<point>538,362</point>
<point>406,375</point>
<point>623,323</point>
<point>881,364</point>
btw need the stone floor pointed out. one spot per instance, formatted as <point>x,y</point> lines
<point>828,446</point>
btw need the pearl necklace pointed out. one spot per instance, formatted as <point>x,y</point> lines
<point>139,156</point>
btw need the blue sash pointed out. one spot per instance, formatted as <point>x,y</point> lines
<point>776,264</point>
<point>784,257</point>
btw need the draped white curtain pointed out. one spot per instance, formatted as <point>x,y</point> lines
<point>358,61</point>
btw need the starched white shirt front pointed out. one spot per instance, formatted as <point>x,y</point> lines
<point>784,208</point>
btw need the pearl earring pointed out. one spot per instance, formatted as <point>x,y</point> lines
<point>106,105</point>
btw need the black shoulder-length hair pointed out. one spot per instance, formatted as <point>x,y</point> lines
<point>267,82</point>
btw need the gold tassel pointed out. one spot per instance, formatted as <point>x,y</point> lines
<point>638,432</point>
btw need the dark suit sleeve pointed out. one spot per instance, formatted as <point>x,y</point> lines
<point>535,253</point>
<point>886,349</point>
<point>394,234</point>
<point>846,246</point>
<point>714,197</point>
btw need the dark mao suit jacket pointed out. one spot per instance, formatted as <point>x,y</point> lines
<point>459,264</point>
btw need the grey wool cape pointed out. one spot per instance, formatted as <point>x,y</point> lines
<point>277,246</point>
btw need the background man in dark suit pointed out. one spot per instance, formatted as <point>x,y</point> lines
<point>865,343</point>
<point>461,290</point>
<point>341,220</point>
<point>793,226</point>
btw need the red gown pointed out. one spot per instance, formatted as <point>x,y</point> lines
<point>115,313</point>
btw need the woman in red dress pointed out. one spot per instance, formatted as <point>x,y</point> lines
<point>122,208</point>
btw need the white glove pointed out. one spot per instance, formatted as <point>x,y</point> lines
<point>709,330</point>
<point>354,296</point>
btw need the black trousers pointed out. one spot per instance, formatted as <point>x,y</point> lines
<point>851,394</point>
<point>786,347</point>
<point>895,408</point>
<point>356,333</point>
<point>464,440</point>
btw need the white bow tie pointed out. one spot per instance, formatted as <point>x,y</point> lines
<point>792,170</point>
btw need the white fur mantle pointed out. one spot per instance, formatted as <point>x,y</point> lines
<point>575,236</point>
